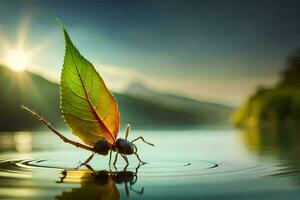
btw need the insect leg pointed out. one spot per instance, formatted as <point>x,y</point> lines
<point>135,175</point>
<point>126,160</point>
<point>137,192</point>
<point>127,131</point>
<point>116,158</point>
<point>86,161</point>
<point>141,138</point>
<point>137,155</point>
<point>137,169</point>
<point>110,154</point>
<point>134,181</point>
<point>126,189</point>
<point>89,167</point>
<point>48,125</point>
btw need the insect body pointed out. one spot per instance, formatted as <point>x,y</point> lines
<point>123,147</point>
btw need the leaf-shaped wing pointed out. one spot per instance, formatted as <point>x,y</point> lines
<point>87,105</point>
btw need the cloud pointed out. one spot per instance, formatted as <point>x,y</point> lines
<point>118,78</point>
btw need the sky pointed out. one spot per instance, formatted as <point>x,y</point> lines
<point>218,51</point>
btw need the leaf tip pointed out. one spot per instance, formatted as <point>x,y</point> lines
<point>60,23</point>
<point>67,38</point>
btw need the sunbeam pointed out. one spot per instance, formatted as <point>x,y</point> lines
<point>15,56</point>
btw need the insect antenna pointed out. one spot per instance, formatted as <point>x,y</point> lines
<point>141,138</point>
<point>127,131</point>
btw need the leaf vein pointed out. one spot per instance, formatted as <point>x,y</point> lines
<point>87,98</point>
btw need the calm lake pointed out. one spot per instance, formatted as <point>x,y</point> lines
<point>194,164</point>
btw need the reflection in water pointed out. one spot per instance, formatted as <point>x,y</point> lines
<point>98,185</point>
<point>16,141</point>
<point>23,142</point>
<point>278,141</point>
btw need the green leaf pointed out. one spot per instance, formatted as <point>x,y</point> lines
<point>87,105</point>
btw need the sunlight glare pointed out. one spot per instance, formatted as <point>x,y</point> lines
<point>17,60</point>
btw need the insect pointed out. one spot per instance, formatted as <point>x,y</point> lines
<point>90,110</point>
<point>122,146</point>
<point>102,184</point>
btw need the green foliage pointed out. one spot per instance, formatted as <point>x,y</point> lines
<point>278,105</point>
<point>87,105</point>
<point>291,75</point>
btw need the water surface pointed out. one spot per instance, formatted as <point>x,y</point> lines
<point>198,164</point>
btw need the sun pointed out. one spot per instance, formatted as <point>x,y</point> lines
<point>16,56</point>
<point>17,60</point>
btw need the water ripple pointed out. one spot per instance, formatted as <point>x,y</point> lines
<point>166,169</point>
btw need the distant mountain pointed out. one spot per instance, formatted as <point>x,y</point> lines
<point>29,89</point>
<point>197,112</point>
<point>140,106</point>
